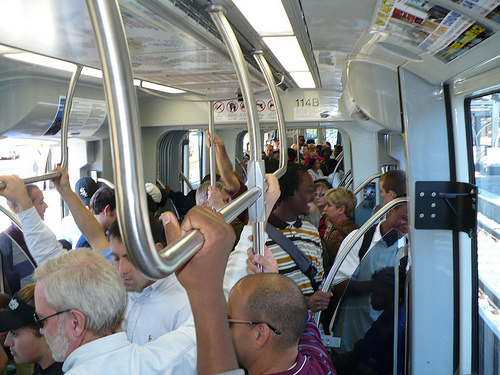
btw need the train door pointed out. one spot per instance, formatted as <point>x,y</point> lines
<point>483,121</point>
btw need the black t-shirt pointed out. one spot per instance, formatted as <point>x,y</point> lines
<point>53,369</point>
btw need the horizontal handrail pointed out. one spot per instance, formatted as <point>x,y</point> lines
<point>366,182</point>
<point>64,132</point>
<point>359,233</point>
<point>280,117</point>
<point>180,251</point>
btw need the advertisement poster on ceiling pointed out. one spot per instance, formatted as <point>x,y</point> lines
<point>444,33</point>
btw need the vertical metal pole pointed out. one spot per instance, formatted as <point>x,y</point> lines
<point>280,117</point>
<point>256,169</point>
<point>211,129</point>
<point>66,112</point>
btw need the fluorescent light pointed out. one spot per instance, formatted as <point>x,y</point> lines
<point>137,82</point>
<point>49,62</point>
<point>32,58</point>
<point>288,52</point>
<point>91,72</point>
<point>154,86</point>
<point>303,79</point>
<point>272,21</point>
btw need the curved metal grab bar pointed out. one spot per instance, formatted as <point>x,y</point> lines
<point>124,126</point>
<point>211,129</point>
<point>12,217</point>
<point>366,182</point>
<point>242,167</point>
<point>339,159</point>
<point>344,178</point>
<point>349,182</point>
<point>360,233</point>
<point>256,170</point>
<point>280,117</point>
<point>64,132</point>
<point>106,182</point>
<point>186,180</point>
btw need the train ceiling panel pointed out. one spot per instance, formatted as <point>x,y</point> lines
<point>174,42</point>
<point>163,50</point>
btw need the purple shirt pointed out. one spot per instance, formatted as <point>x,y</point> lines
<point>313,359</point>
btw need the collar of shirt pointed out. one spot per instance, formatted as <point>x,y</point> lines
<point>280,224</point>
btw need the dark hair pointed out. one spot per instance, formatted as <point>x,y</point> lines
<point>394,180</point>
<point>155,225</point>
<point>323,182</point>
<point>312,161</point>
<point>291,180</point>
<point>207,178</point>
<point>101,198</point>
<point>271,165</point>
<point>292,154</point>
<point>330,165</point>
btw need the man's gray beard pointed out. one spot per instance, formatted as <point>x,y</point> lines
<point>59,347</point>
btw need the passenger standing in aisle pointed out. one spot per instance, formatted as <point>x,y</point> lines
<point>103,207</point>
<point>156,298</point>
<point>296,191</point>
<point>12,238</point>
<point>85,187</point>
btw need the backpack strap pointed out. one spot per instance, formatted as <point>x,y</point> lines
<point>367,240</point>
<point>303,262</point>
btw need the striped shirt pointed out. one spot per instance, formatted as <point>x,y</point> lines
<point>306,237</point>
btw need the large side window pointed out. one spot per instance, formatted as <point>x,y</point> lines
<point>193,152</point>
<point>484,112</point>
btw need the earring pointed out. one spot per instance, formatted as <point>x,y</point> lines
<point>293,196</point>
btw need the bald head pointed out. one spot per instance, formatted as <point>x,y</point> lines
<point>274,299</point>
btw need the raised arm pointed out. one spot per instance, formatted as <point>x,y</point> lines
<point>223,163</point>
<point>41,242</point>
<point>202,279</point>
<point>88,224</point>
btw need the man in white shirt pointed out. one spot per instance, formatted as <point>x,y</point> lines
<point>163,302</point>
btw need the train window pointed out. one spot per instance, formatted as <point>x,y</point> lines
<point>484,121</point>
<point>333,136</point>
<point>193,152</point>
<point>28,158</point>
<point>312,134</point>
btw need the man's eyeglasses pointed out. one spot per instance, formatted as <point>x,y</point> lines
<point>41,321</point>
<point>277,331</point>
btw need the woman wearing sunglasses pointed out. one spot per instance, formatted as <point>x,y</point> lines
<point>26,343</point>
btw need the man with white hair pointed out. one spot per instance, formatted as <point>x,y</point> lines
<point>155,307</point>
<point>80,305</point>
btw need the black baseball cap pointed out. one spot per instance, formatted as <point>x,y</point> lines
<point>18,314</point>
<point>85,187</point>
